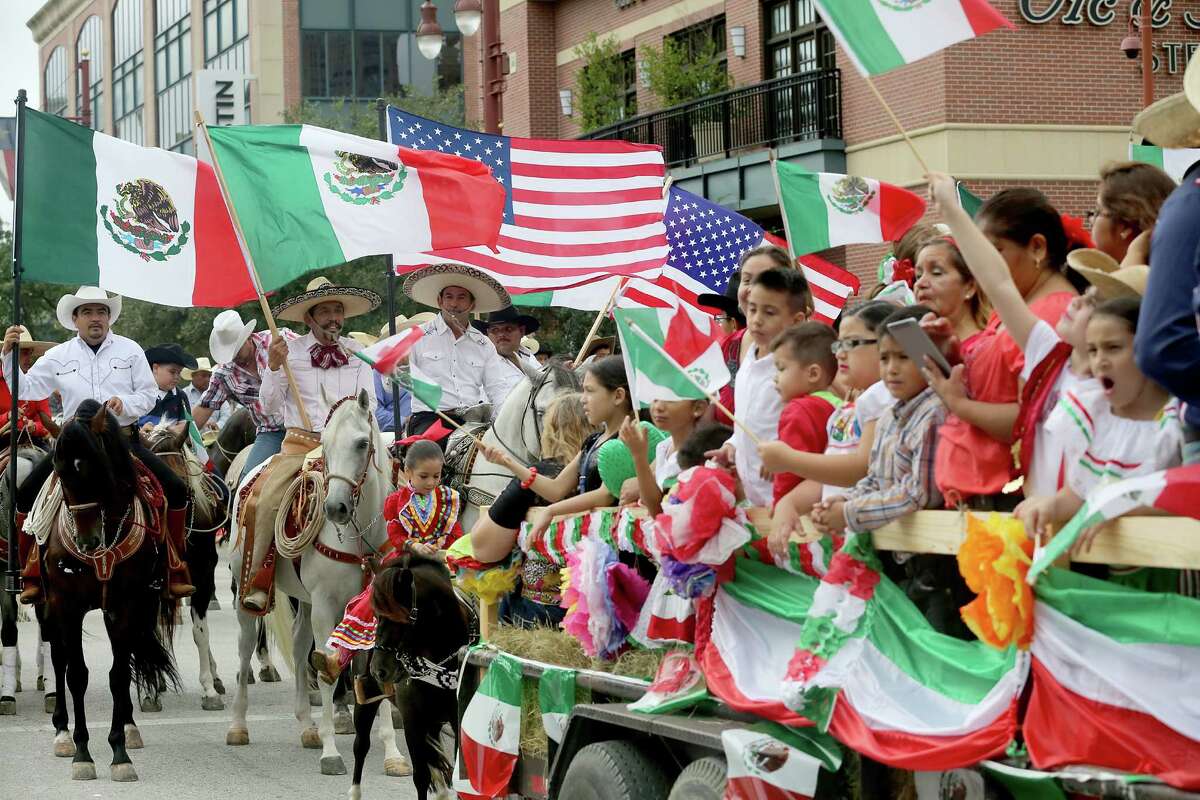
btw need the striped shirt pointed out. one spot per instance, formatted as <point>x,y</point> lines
<point>900,474</point>
<point>233,380</point>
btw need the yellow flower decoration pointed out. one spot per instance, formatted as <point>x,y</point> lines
<point>994,560</point>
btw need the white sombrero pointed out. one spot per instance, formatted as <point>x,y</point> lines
<point>87,295</point>
<point>363,338</point>
<point>1174,121</point>
<point>427,283</point>
<point>228,335</point>
<point>1123,282</point>
<point>403,323</point>
<point>202,365</point>
<point>354,301</point>
<point>27,342</point>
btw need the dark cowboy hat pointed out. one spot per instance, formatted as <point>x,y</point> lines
<point>727,302</point>
<point>170,354</point>
<point>506,316</point>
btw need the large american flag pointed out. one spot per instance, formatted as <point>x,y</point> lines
<point>575,212</point>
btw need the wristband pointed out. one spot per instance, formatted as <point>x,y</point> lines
<point>528,482</point>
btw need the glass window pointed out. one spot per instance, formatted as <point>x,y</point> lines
<point>91,44</point>
<point>382,14</point>
<point>449,61</point>
<point>55,80</point>
<point>700,35</point>
<point>341,64</point>
<point>323,14</point>
<point>797,39</point>
<point>312,64</point>
<point>368,64</point>
<point>127,70</point>
<point>629,68</point>
<point>226,25</point>
<point>173,60</point>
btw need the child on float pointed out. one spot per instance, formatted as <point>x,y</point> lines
<point>778,299</point>
<point>1124,424</point>
<point>422,517</point>
<point>850,430</point>
<point>677,419</point>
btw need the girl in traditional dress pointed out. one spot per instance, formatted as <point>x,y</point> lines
<point>422,517</point>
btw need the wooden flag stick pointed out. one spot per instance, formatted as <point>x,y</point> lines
<point>262,298</point>
<point>599,319</point>
<point>787,233</point>
<point>396,382</point>
<point>712,396</point>
<point>896,122</point>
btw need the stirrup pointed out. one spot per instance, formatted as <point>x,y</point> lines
<point>178,591</point>
<point>256,600</point>
<point>326,664</point>
<point>30,595</point>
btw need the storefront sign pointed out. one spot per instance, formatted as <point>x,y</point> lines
<point>220,96</point>
<point>1171,57</point>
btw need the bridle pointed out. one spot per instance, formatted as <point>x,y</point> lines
<point>355,484</point>
<point>530,405</point>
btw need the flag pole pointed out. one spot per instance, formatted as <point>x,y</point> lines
<point>12,577</point>
<point>787,231</point>
<point>896,122</point>
<point>262,298</point>
<point>599,319</point>
<point>712,396</point>
<point>381,108</point>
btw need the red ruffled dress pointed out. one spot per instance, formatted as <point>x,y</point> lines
<point>430,519</point>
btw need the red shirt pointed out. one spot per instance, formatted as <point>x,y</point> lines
<point>731,348</point>
<point>802,427</point>
<point>29,419</point>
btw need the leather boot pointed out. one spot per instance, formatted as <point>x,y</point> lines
<point>327,665</point>
<point>179,580</point>
<point>31,573</point>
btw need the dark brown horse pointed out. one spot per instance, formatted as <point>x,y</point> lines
<point>105,551</point>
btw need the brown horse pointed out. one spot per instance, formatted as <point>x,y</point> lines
<point>105,551</point>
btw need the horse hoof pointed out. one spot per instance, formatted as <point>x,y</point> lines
<point>236,737</point>
<point>123,773</point>
<point>212,703</point>
<point>151,705</point>
<point>397,719</point>
<point>8,706</point>
<point>333,765</point>
<point>269,674</point>
<point>64,745</point>
<point>19,687</point>
<point>41,684</point>
<point>355,792</point>
<point>310,738</point>
<point>83,771</point>
<point>51,703</point>
<point>343,723</point>
<point>250,680</point>
<point>219,685</point>
<point>397,767</point>
<point>314,697</point>
<point>214,604</point>
<point>133,739</point>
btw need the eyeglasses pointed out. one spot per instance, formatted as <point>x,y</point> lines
<point>1090,217</point>
<point>846,345</point>
<point>723,318</point>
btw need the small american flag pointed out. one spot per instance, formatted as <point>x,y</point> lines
<point>576,211</point>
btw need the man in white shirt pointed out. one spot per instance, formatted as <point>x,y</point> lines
<point>453,355</point>
<point>506,328</point>
<point>99,365</point>
<point>198,380</point>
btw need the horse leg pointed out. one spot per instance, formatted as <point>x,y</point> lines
<point>395,765</point>
<point>364,717</point>
<point>70,632</point>
<point>119,678</point>
<point>322,622</point>
<point>210,699</point>
<point>10,669</point>
<point>310,736</point>
<point>267,672</point>
<point>238,733</point>
<point>342,721</point>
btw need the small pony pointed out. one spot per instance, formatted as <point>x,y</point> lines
<point>423,622</point>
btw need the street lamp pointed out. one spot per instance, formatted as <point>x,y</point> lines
<point>468,14</point>
<point>429,32</point>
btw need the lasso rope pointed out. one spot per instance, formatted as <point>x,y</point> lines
<point>309,488</point>
<point>49,508</point>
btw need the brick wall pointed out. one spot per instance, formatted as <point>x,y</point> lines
<point>292,93</point>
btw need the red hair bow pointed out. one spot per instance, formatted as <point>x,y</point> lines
<point>903,270</point>
<point>1077,234</point>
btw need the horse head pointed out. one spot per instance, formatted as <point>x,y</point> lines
<point>94,464</point>
<point>354,454</point>
<point>519,423</point>
<point>171,441</point>
<point>421,621</point>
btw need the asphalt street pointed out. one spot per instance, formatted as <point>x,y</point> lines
<point>185,757</point>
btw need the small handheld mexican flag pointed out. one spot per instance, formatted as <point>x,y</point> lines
<point>825,210</point>
<point>388,353</point>
<point>491,731</point>
<point>556,698</point>
<point>971,203</point>
<point>197,441</point>
<point>881,35</point>
<point>427,392</point>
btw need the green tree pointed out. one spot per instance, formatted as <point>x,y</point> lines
<point>362,119</point>
<point>601,83</point>
<point>677,75</point>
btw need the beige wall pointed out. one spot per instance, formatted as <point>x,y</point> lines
<point>266,61</point>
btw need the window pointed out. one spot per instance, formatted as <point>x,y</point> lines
<point>127,70</point>
<point>797,39</point>
<point>172,70</point>
<point>709,33</point>
<point>91,44</point>
<point>226,26</point>
<point>629,69</point>
<point>55,80</point>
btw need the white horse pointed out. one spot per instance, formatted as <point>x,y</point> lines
<point>357,479</point>
<point>517,429</point>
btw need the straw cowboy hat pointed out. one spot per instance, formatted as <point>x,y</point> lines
<point>1174,121</point>
<point>427,283</point>
<point>403,323</point>
<point>1092,260</point>
<point>363,338</point>
<point>355,301</point>
<point>1123,282</point>
<point>228,335</point>
<point>530,344</point>
<point>27,342</point>
<point>202,365</point>
<point>87,295</point>
<point>600,341</point>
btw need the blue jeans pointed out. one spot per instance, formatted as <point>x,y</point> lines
<point>266,444</point>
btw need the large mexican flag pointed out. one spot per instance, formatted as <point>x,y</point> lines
<point>309,197</point>
<point>1173,161</point>
<point>138,221</point>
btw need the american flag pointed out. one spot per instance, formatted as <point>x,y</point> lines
<point>576,211</point>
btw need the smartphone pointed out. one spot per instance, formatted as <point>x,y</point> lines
<point>917,344</point>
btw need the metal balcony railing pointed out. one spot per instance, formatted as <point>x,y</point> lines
<point>768,114</point>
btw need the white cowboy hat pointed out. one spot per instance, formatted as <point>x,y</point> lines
<point>1089,258</point>
<point>1174,121</point>
<point>427,283</point>
<point>27,342</point>
<point>202,365</point>
<point>87,295</point>
<point>530,344</point>
<point>403,323</point>
<point>228,335</point>
<point>1123,282</point>
<point>354,301</point>
<point>365,339</point>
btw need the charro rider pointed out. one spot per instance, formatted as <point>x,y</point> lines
<point>97,364</point>
<point>167,361</point>
<point>325,372</point>
<point>452,354</point>
<point>33,416</point>
<point>507,329</point>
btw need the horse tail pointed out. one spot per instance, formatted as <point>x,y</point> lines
<point>281,620</point>
<point>151,659</point>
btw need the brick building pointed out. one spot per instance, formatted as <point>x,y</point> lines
<point>1044,104</point>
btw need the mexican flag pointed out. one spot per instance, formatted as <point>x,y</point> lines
<point>826,210</point>
<point>881,35</point>
<point>386,354</point>
<point>491,731</point>
<point>970,202</point>
<point>1172,490</point>
<point>427,391</point>
<point>556,698</point>
<point>1115,679</point>
<point>1174,162</point>
<point>660,345</point>
<point>771,762</point>
<point>890,686</point>
<point>309,197</point>
<point>138,221</point>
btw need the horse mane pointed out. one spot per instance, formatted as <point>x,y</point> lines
<point>109,446</point>
<point>564,377</point>
<point>202,501</point>
<point>393,587</point>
